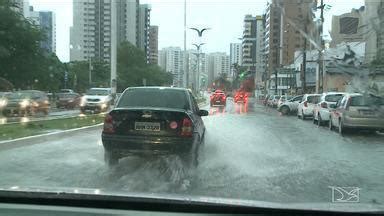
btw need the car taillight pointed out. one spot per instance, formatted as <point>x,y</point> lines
<point>306,104</point>
<point>108,124</point>
<point>324,105</point>
<point>186,127</point>
<point>224,97</point>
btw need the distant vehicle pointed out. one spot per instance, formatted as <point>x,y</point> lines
<point>3,100</point>
<point>154,121</point>
<point>241,97</point>
<point>265,99</point>
<point>27,102</point>
<point>282,99</point>
<point>68,100</point>
<point>306,106</point>
<point>218,98</point>
<point>322,109</point>
<point>66,91</point>
<point>272,100</point>
<point>357,111</point>
<point>96,100</point>
<point>290,106</point>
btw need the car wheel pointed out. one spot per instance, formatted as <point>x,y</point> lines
<point>319,121</point>
<point>330,126</point>
<point>341,128</point>
<point>110,158</point>
<point>284,110</point>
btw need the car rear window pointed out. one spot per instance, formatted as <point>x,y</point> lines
<point>152,97</point>
<point>366,101</point>
<point>313,99</point>
<point>333,98</point>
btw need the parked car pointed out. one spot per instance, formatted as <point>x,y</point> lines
<point>96,100</point>
<point>68,100</point>
<point>290,106</point>
<point>241,97</point>
<point>272,101</point>
<point>358,111</point>
<point>218,98</point>
<point>3,100</point>
<point>306,106</point>
<point>154,121</point>
<point>27,102</point>
<point>282,99</point>
<point>322,109</point>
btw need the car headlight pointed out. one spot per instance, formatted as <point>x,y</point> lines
<point>3,103</point>
<point>103,105</point>
<point>83,101</point>
<point>24,103</point>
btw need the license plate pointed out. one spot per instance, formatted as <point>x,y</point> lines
<point>147,126</point>
<point>366,112</point>
<point>218,101</point>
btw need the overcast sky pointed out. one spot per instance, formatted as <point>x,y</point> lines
<point>224,17</point>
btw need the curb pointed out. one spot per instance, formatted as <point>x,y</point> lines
<point>36,139</point>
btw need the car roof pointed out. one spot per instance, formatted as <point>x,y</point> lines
<point>158,87</point>
<point>333,93</point>
<point>101,88</point>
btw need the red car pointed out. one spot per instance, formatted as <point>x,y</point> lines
<point>241,97</point>
<point>218,98</point>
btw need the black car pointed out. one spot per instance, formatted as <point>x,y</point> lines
<point>154,121</point>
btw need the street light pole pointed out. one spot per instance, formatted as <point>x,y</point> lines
<point>113,46</point>
<point>185,46</point>
<point>197,76</point>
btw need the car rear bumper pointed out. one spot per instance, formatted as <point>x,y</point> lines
<point>144,145</point>
<point>364,123</point>
<point>217,104</point>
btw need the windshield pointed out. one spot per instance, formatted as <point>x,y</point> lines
<point>97,92</point>
<point>333,98</point>
<point>238,99</point>
<point>366,101</point>
<point>156,98</point>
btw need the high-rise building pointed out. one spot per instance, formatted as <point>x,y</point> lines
<point>90,35</point>
<point>235,55</point>
<point>171,60</point>
<point>286,24</point>
<point>153,44</point>
<point>22,6</point>
<point>143,27</point>
<point>373,19</point>
<point>46,21</point>
<point>252,50</point>
<point>348,27</point>
<point>218,64</point>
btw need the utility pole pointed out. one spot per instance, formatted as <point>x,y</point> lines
<point>113,46</point>
<point>303,82</point>
<point>277,64</point>
<point>185,46</point>
<point>321,55</point>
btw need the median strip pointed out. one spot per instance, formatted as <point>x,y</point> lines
<point>25,129</point>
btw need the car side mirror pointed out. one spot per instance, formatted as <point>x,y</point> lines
<point>203,113</point>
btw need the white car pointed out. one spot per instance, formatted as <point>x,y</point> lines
<point>307,104</point>
<point>96,100</point>
<point>322,109</point>
<point>290,106</point>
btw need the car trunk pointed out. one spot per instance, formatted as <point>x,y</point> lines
<point>366,112</point>
<point>148,121</point>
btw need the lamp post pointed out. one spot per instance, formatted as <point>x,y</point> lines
<point>197,76</point>
<point>200,34</point>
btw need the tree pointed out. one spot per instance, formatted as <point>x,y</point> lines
<point>132,69</point>
<point>23,62</point>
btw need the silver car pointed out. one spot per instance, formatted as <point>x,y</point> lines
<point>290,106</point>
<point>359,112</point>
